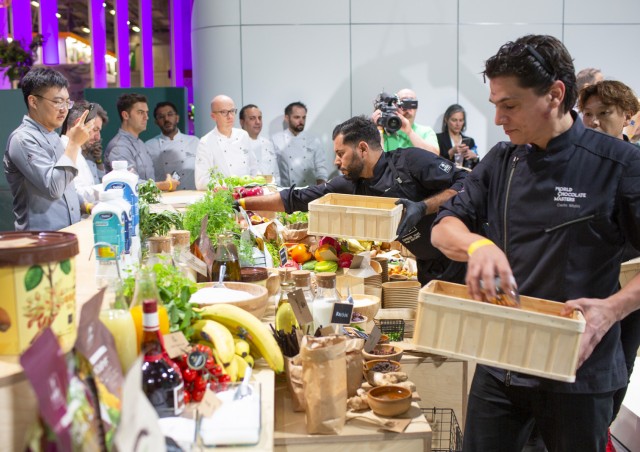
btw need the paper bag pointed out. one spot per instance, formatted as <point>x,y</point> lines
<point>293,369</point>
<point>355,362</point>
<point>324,378</point>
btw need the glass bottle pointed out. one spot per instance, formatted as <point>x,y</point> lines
<point>180,241</point>
<point>161,380</point>
<point>326,296</point>
<point>116,317</point>
<point>159,250</point>
<point>302,280</point>
<point>285,318</point>
<point>146,289</point>
<point>226,253</point>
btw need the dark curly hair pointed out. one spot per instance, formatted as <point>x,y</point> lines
<point>537,61</point>
<point>359,128</point>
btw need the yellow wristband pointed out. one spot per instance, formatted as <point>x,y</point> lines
<point>478,244</point>
<point>243,203</point>
<point>170,184</point>
<point>87,207</point>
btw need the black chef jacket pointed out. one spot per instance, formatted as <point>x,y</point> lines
<point>563,218</point>
<point>409,173</point>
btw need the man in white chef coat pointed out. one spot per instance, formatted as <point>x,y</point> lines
<point>301,158</point>
<point>225,149</point>
<point>262,147</point>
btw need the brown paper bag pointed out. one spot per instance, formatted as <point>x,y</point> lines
<point>324,377</point>
<point>293,369</point>
<point>355,362</point>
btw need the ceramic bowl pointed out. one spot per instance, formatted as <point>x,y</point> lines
<point>389,400</point>
<point>368,368</point>
<point>361,324</point>
<point>392,353</point>
<point>256,304</point>
<point>367,305</point>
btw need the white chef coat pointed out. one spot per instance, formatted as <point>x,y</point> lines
<point>232,156</point>
<point>177,155</point>
<point>84,182</point>
<point>301,158</point>
<point>265,155</point>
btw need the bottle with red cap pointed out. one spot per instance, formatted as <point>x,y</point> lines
<point>161,378</point>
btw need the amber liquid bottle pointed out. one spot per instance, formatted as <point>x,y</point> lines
<point>226,253</point>
<point>161,380</point>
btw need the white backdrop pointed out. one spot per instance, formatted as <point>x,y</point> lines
<point>337,55</point>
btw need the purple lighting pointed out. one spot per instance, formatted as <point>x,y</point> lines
<point>146,39</point>
<point>122,43</point>
<point>4,32</point>
<point>49,31</point>
<point>98,43</point>
<point>21,21</point>
<point>177,67</point>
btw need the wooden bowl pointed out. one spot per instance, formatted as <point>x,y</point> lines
<point>368,366</point>
<point>395,355</point>
<point>389,400</point>
<point>367,305</point>
<point>361,324</point>
<point>256,304</point>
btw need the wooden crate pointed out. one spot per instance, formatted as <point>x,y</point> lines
<point>534,339</point>
<point>628,270</point>
<point>355,216</point>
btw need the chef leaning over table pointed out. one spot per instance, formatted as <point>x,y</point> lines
<point>39,168</point>
<point>553,208</point>
<point>422,181</point>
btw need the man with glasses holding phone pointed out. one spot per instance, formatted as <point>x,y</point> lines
<point>225,149</point>
<point>550,211</point>
<point>39,168</point>
<point>411,135</point>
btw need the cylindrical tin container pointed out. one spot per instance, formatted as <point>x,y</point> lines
<point>38,281</point>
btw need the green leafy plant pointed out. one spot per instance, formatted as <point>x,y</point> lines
<point>16,58</point>
<point>155,223</point>
<point>293,218</point>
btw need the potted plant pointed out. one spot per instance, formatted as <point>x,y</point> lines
<point>16,59</point>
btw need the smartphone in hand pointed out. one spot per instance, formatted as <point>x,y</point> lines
<point>93,111</point>
<point>467,141</point>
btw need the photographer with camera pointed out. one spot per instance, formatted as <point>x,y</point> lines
<point>395,115</point>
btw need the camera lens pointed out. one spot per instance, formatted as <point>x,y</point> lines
<point>393,124</point>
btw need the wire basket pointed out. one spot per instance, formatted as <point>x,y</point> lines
<point>394,328</point>
<point>446,435</point>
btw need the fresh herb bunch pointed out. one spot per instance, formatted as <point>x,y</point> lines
<point>175,290</point>
<point>157,223</point>
<point>217,180</point>
<point>273,249</point>
<point>293,218</point>
<point>148,192</point>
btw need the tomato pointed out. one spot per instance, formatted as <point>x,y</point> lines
<point>300,253</point>
<point>188,374</point>
<point>187,397</point>
<point>200,383</point>
<point>198,394</point>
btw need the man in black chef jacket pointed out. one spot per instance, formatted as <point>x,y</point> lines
<point>422,181</point>
<point>553,209</point>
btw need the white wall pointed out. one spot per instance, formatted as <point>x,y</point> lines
<point>337,55</point>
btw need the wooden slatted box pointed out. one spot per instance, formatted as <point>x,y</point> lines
<point>355,216</point>
<point>533,339</point>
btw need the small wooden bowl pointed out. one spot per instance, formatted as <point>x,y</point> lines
<point>368,366</point>
<point>395,355</point>
<point>256,304</point>
<point>389,400</point>
<point>361,324</point>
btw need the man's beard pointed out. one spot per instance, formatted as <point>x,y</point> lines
<point>354,170</point>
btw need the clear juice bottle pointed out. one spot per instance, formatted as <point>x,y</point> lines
<point>118,320</point>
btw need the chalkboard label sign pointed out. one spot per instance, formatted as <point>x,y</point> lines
<point>341,314</point>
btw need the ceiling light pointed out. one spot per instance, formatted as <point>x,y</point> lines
<point>136,28</point>
<point>128,22</point>
<point>104,5</point>
<point>112,12</point>
<point>36,4</point>
<point>58,15</point>
<point>86,30</point>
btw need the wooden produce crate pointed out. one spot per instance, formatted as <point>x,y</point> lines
<point>628,270</point>
<point>533,339</point>
<point>354,216</point>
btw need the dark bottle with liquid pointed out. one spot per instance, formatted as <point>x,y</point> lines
<point>226,253</point>
<point>161,379</point>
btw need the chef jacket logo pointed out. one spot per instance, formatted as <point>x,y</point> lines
<point>566,197</point>
<point>446,167</point>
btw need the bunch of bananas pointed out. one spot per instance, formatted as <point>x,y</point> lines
<point>237,338</point>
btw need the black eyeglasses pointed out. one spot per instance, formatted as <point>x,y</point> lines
<point>59,104</point>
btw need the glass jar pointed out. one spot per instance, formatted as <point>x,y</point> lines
<point>326,296</point>
<point>285,318</point>
<point>180,240</point>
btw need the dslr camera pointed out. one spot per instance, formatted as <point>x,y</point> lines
<point>388,104</point>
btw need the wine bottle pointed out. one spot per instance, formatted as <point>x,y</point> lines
<point>161,381</point>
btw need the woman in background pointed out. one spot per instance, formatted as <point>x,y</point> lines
<point>452,141</point>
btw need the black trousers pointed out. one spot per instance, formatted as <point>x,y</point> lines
<point>630,338</point>
<point>500,417</point>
